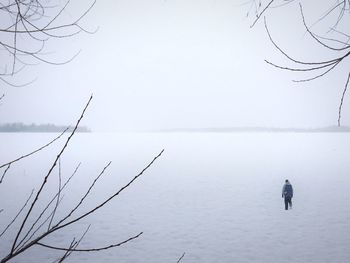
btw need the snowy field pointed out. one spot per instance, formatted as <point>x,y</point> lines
<point>215,196</point>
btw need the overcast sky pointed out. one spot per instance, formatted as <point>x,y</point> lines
<point>156,64</point>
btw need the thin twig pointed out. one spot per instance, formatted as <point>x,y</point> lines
<point>85,195</point>
<point>16,216</point>
<point>47,176</point>
<point>261,13</point>
<point>56,228</point>
<point>342,99</point>
<point>4,173</point>
<point>92,249</point>
<point>58,193</point>
<point>35,151</point>
<point>23,240</point>
<point>183,255</point>
<point>28,23</point>
<point>20,245</point>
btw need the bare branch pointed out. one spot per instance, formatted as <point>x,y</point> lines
<point>183,255</point>
<point>30,26</point>
<point>338,48</point>
<point>91,249</point>
<point>25,240</point>
<point>47,176</point>
<point>16,216</point>
<point>57,227</point>
<point>35,151</point>
<point>16,85</point>
<point>261,13</point>
<point>3,175</point>
<point>315,37</point>
<point>86,194</point>
<point>74,244</point>
<point>43,223</point>
<point>58,193</point>
<point>66,253</point>
<point>327,65</point>
<point>290,58</point>
<point>342,99</point>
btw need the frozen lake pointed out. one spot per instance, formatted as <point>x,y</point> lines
<point>215,196</point>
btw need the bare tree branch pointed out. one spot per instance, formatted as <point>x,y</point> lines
<point>91,249</point>
<point>315,37</point>
<point>85,195</point>
<point>25,240</point>
<point>58,226</point>
<point>47,176</point>
<point>16,85</point>
<point>182,256</point>
<point>4,173</point>
<point>16,251</point>
<point>35,151</point>
<point>58,193</point>
<point>258,15</point>
<point>26,25</point>
<point>16,216</point>
<point>73,245</point>
<point>342,99</point>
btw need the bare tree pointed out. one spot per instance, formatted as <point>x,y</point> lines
<point>26,28</point>
<point>335,40</point>
<point>43,223</point>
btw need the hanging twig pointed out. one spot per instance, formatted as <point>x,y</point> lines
<point>321,68</point>
<point>26,26</point>
<point>342,99</point>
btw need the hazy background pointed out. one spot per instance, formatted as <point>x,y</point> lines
<point>159,64</point>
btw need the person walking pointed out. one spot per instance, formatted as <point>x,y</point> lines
<point>287,194</point>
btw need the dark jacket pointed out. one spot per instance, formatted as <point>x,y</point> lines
<point>287,190</point>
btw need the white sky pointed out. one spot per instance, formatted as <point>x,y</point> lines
<point>157,64</point>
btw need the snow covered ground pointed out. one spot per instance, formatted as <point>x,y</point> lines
<point>215,196</point>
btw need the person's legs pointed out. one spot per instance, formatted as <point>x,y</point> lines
<point>286,203</point>
<point>290,203</point>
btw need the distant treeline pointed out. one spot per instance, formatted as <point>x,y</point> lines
<point>262,129</point>
<point>21,127</point>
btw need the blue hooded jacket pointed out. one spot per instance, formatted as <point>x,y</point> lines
<point>287,190</point>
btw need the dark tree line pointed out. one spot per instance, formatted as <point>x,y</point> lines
<point>21,127</point>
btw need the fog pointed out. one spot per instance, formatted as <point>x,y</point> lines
<point>178,64</point>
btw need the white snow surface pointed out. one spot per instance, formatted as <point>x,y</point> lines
<point>214,196</point>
